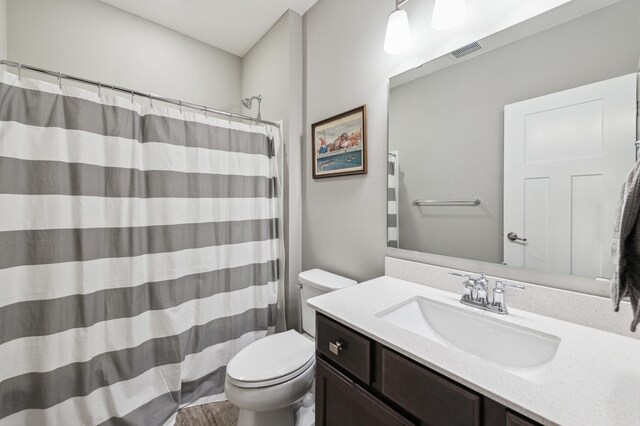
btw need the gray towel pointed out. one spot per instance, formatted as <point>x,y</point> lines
<point>626,247</point>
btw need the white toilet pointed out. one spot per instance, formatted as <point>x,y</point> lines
<point>269,378</point>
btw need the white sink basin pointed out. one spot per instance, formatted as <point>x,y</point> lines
<point>478,333</point>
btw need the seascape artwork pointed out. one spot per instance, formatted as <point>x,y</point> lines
<point>339,145</point>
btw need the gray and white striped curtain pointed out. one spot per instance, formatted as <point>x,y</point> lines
<point>139,251</point>
<point>392,199</point>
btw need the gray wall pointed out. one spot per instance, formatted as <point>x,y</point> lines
<point>273,68</point>
<point>97,41</point>
<point>448,126</point>
<point>344,219</point>
<point>3,29</point>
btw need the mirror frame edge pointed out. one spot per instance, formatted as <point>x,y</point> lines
<point>573,283</point>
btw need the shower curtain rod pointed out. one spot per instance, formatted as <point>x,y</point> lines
<point>149,96</point>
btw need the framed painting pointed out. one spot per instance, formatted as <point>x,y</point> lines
<point>340,144</point>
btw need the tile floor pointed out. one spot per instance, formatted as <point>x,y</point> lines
<point>213,414</point>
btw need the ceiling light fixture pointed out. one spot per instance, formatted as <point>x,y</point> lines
<point>448,14</point>
<point>398,37</point>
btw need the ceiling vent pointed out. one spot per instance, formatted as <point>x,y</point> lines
<point>466,50</point>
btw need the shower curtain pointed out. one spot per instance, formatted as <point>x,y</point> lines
<point>392,199</point>
<point>139,251</point>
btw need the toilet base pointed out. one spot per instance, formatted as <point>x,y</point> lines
<point>280,417</point>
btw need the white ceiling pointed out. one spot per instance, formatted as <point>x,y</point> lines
<point>485,17</point>
<point>216,22</point>
<point>492,25</point>
<point>237,25</point>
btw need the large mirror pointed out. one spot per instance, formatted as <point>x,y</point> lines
<point>513,150</point>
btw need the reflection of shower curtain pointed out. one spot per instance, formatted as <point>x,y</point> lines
<point>139,252</point>
<point>392,199</point>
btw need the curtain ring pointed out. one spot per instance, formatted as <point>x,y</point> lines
<point>132,97</point>
<point>150,100</point>
<point>99,88</point>
<point>180,104</point>
<point>19,72</point>
<point>205,110</point>
<point>230,117</point>
<point>60,79</point>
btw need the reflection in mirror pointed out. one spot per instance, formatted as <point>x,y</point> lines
<point>516,153</point>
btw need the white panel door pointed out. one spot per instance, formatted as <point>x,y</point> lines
<point>566,156</point>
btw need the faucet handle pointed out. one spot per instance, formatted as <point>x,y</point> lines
<point>500,285</point>
<point>498,303</point>
<point>469,283</point>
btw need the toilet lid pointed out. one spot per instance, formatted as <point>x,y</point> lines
<point>273,357</point>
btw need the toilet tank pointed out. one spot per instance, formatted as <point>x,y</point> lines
<point>315,282</point>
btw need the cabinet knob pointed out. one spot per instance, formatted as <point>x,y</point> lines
<point>335,348</point>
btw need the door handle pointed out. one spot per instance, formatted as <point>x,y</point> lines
<point>512,236</point>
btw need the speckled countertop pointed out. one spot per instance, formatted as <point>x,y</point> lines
<point>594,378</point>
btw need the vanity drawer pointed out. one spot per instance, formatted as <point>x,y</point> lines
<point>344,347</point>
<point>433,399</point>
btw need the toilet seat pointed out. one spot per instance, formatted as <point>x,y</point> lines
<point>272,360</point>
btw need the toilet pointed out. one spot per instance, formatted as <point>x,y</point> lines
<point>269,379</point>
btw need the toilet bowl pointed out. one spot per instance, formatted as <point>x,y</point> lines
<point>269,378</point>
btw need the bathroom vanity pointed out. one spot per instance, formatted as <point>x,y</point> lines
<point>360,381</point>
<point>378,365</point>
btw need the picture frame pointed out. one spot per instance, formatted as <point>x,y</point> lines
<point>339,144</point>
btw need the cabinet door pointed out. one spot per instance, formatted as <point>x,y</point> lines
<point>340,402</point>
<point>516,420</point>
<point>431,398</point>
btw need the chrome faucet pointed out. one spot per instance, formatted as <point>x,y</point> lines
<point>482,288</point>
<point>476,290</point>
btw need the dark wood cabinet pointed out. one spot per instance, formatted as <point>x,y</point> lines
<point>361,382</point>
<point>514,419</point>
<point>350,350</point>
<point>341,402</point>
<point>426,395</point>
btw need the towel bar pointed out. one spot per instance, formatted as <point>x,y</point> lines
<point>447,202</point>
